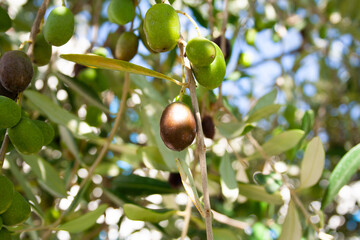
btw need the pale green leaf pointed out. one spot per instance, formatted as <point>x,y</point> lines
<point>69,141</point>
<point>344,170</point>
<point>312,164</point>
<point>224,233</point>
<point>189,184</point>
<point>264,101</point>
<point>228,182</point>
<point>291,228</point>
<point>82,92</point>
<point>280,143</point>
<point>152,158</point>
<point>137,213</point>
<point>113,64</point>
<point>258,193</point>
<point>263,113</point>
<point>83,222</point>
<point>233,129</point>
<point>46,174</point>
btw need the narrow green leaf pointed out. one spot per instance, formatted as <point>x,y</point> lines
<point>258,193</point>
<point>264,101</point>
<point>113,64</point>
<point>58,115</point>
<point>152,158</point>
<point>228,181</point>
<point>233,129</point>
<point>263,113</point>
<point>149,90</point>
<point>291,228</point>
<point>312,164</point>
<point>46,174</point>
<point>137,185</point>
<point>84,222</point>
<point>86,95</point>
<point>137,213</point>
<point>280,143</point>
<point>189,184</point>
<point>69,141</point>
<point>344,170</point>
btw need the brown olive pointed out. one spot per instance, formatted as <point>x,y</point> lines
<point>16,71</point>
<point>227,44</point>
<point>177,126</point>
<point>208,126</point>
<point>175,180</point>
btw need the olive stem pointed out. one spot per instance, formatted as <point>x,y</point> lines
<point>36,26</point>
<point>191,20</point>
<point>95,24</point>
<point>211,18</point>
<point>199,141</point>
<point>186,219</point>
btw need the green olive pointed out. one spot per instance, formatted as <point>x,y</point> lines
<point>7,193</point>
<point>18,211</point>
<point>26,136</point>
<point>10,113</point>
<point>162,27</point>
<point>47,131</point>
<point>42,51</point>
<point>126,46</point>
<point>142,36</point>
<point>121,11</point>
<point>211,76</point>
<point>59,26</point>
<point>200,51</point>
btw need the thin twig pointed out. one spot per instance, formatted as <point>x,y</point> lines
<point>223,27</point>
<point>191,20</point>
<point>104,149</point>
<point>186,219</point>
<point>96,16</point>
<point>211,18</point>
<point>229,221</point>
<point>199,141</point>
<point>36,26</point>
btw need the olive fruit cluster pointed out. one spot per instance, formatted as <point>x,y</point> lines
<point>59,26</point>
<point>207,62</point>
<point>14,209</point>
<point>28,136</point>
<point>177,126</point>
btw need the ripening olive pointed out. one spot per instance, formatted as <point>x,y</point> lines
<point>208,126</point>
<point>126,46</point>
<point>177,126</point>
<point>162,27</point>
<point>16,71</point>
<point>26,136</point>
<point>5,20</point>
<point>200,51</point>
<point>121,11</point>
<point>211,76</point>
<point>227,45</point>
<point>42,51</point>
<point>59,26</point>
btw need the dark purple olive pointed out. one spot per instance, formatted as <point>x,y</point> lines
<point>177,126</point>
<point>227,44</point>
<point>16,71</point>
<point>6,93</point>
<point>175,180</point>
<point>208,126</point>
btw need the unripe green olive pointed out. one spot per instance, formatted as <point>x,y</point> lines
<point>7,193</point>
<point>200,51</point>
<point>121,11</point>
<point>142,36</point>
<point>16,71</point>
<point>5,234</point>
<point>10,113</point>
<point>47,131</point>
<point>177,126</point>
<point>5,20</point>
<point>59,26</point>
<point>42,51</point>
<point>18,211</point>
<point>26,136</point>
<point>162,27</point>
<point>126,46</point>
<point>211,76</point>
